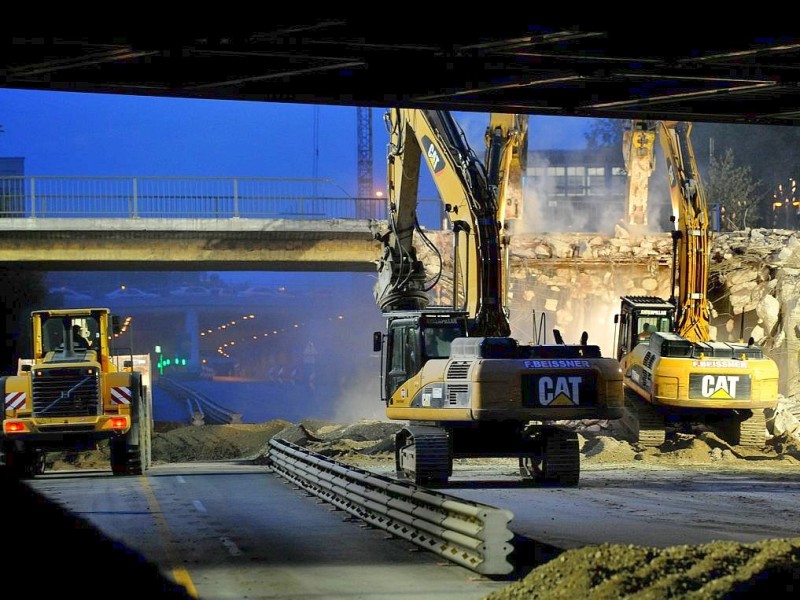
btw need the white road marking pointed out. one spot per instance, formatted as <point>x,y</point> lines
<point>199,506</point>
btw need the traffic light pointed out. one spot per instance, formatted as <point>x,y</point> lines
<point>177,361</point>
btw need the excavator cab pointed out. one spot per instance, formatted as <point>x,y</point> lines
<point>639,317</point>
<point>413,339</point>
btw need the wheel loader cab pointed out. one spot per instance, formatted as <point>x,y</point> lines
<point>69,338</point>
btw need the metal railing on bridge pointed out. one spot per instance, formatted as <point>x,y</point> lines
<point>182,197</point>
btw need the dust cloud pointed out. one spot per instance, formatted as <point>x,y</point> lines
<point>360,397</point>
<point>531,323</point>
<point>348,371</point>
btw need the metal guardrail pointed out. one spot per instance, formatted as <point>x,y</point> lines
<point>473,535</point>
<point>135,197</point>
<point>201,409</point>
<point>181,197</point>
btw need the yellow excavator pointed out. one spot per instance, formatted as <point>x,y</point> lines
<point>675,376</point>
<point>464,386</point>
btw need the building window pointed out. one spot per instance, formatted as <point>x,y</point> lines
<point>550,181</point>
<point>557,181</point>
<point>618,186</point>
<point>596,181</point>
<point>576,181</point>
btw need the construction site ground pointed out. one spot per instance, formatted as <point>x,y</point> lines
<point>720,569</point>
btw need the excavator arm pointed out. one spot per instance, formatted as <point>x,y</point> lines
<point>472,209</point>
<point>506,157</point>
<point>690,237</point>
<point>638,152</point>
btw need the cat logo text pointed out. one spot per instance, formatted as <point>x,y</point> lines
<point>723,386</point>
<point>719,387</point>
<point>564,390</point>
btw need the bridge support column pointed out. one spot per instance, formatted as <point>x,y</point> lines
<point>192,323</point>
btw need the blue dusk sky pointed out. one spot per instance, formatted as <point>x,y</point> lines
<point>78,134</point>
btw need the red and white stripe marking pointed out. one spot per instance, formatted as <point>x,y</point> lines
<point>121,395</point>
<point>15,400</point>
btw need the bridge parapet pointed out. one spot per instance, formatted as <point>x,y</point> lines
<point>181,198</point>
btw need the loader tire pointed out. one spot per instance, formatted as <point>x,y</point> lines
<point>25,464</point>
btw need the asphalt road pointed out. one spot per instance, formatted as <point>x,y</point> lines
<point>261,401</point>
<point>225,530</point>
<point>231,530</point>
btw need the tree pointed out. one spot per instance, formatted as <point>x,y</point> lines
<point>605,133</point>
<point>767,149</point>
<point>20,290</point>
<point>734,189</point>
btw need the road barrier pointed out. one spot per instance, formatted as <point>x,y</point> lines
<point>202,410</point>
<point>473,535</point>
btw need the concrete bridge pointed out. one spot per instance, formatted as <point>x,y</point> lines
<point>186,223</point>
<point>125,244</point>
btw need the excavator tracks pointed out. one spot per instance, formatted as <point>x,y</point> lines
<point>753,430</point>
<point>423,455</point>
<point>557,462</point>
<point>650,424</point>
<point>741,429</point>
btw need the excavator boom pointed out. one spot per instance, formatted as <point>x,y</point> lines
<point>470,203</point>
<point>691,236</point>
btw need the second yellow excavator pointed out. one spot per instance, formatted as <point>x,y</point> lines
<point>675,375</point>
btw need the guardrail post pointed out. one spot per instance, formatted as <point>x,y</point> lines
<point>135,207</point>
<point>33,197</point>
<point>235,198</point>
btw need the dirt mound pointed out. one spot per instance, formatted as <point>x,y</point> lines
<point>715,570</point>
<point>607,449</point>
<point>373,440</point>
<point>214,442</point>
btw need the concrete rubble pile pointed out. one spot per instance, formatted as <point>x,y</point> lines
<point>573,282</point>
